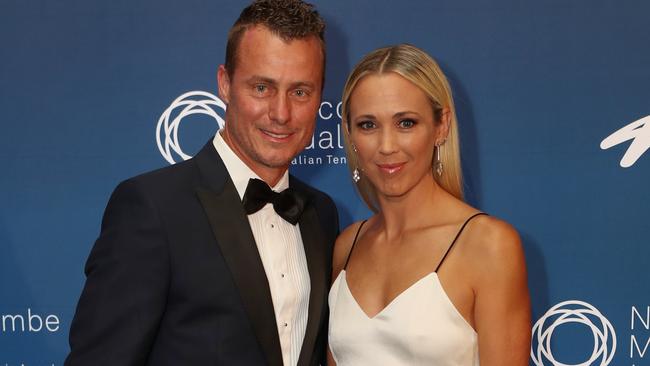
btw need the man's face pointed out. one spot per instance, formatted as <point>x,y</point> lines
<point>273,96</point>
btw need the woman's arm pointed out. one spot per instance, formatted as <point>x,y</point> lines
<point>330,359</point>
<point>341,251</point>
<point>502,303</point>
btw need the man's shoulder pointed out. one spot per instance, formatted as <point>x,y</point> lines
<point>168,175</point>
<point>167,183</point>
<point>182,172</point>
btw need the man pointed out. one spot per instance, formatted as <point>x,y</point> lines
<point>183,272</point>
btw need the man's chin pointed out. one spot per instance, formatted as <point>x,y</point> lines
<point>274,161</point>
<point>277,164</point>
<point>274,158</point>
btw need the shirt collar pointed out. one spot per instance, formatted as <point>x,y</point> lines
<point>239,172</point>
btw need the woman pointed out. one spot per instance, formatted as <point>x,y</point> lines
<point>427,280</point>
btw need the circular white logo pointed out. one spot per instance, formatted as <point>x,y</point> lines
<point>574,311</point>
<point>194,102</point>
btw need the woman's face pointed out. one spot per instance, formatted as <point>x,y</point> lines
<point>393,129</point>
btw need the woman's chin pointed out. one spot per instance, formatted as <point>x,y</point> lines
<point>392,192</point>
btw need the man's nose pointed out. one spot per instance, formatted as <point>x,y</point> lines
<point>280,108</point>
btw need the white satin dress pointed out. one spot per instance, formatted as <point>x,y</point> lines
<point>421,326</point>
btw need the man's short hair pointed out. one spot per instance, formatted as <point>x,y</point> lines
<point>288,19</point>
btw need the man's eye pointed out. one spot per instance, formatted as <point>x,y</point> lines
<point>261,88</point>
<point>366,125</point>
<point>406,123</point>
<point>300,93</point>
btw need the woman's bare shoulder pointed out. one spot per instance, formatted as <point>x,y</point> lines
<point>494,246</point>
<point>342,247</point>
<point>491,234</point>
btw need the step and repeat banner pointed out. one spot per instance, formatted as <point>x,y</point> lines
<point>553,100</point>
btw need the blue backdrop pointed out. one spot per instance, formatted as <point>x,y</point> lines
<point>541,89</point>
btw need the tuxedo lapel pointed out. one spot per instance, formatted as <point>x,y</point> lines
<point>315,251</point>
<point>234,237</point>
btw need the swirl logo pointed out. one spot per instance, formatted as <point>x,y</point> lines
<point>194,102</point>
<point>574,311</point>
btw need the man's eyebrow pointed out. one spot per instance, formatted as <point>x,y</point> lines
<point>307,84</point>
<point>261,79</point>
<point>266,80</point>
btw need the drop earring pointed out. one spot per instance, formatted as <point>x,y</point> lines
<point>438,166</point>
<point>356,176</point>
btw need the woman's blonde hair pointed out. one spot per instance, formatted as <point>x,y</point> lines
<point>416,66</point>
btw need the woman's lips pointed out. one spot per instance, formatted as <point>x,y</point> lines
<point>391,168</point>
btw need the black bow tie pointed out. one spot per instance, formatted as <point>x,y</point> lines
<point>288,203</point>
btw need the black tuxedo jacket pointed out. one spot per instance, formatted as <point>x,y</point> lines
<point>175,277</point>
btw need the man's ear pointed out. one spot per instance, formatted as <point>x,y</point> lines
<point>223,82</point>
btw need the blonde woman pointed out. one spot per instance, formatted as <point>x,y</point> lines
<point>428,279</point>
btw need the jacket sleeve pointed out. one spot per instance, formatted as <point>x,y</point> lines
<point>127,277</point>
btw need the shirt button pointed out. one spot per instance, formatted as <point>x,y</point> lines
<point>286,325</point>
<point>282,275</point>
<point>272,226</point>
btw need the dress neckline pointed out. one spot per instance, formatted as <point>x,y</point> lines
<point>391,302</point>
<point>401,295</point>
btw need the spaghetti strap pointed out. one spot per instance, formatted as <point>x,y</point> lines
<point>456,238</point>
<point>353,243</point>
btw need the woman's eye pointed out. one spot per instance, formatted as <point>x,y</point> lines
<point>366,125</point>
<point>406,123</point>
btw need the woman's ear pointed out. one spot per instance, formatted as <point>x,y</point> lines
<point>443,127</point>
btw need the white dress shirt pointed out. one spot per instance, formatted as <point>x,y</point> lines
<point>283,256</point>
